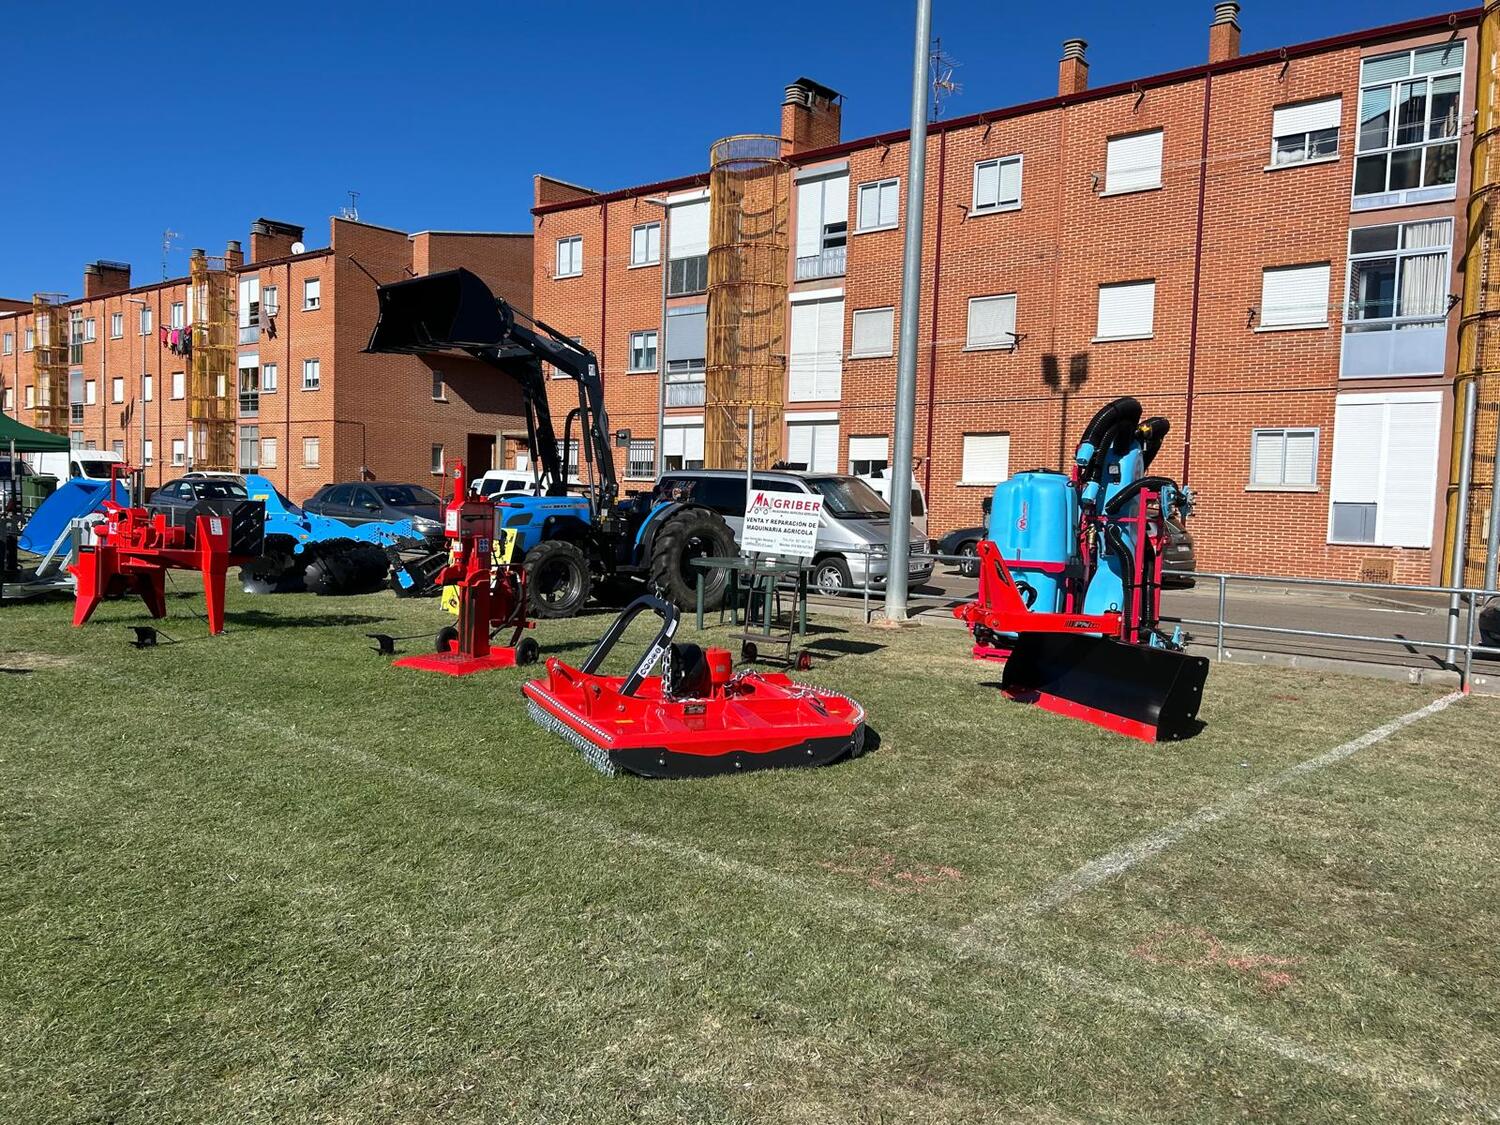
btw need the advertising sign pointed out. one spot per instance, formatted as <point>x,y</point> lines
<point>784,524</point>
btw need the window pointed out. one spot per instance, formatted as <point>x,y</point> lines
<point>30,339</point>
<point>75,397</point>
<point>311,452</point>
<point>9,343</point>
<point>249,310</point>
<point>179,385</point>
<point>569,256</point>
<point>179,314</point>
<point>270,303</point>
<point>645,244</point>
<point>1396,322</point>
<point>30,397</point>
<point>146,389</point>
<point>640,459</point>
<point>90,330</point>
<point>116,325</point>
<point>75,337</point>
<point>10,400</point>
<point>874,332</point>
<point>179,451</point>
<point>148,451</point>
<point>687,345</point>
<point>90,392</point>
<point>1407,148</point>
<point>249,449</point>
<point>687,248</point>
<point>992,322</point>
<point>643,350</point>
<point>312,294</point>
<point>268,379</point>
<point>117,389</point>
<point>986,459</point>
<point>822,225</point>
<point>682,444</point>
<point>268,453</point>
<point>145,321</point>
<point>439,388</point>
<point>815,367</point>
<point>437,460</point>
<point>249,384</point>
<point>1127,310</point>
<point>812,445</point>
<point>879,205</point>
<point>1284,460</point>
<point>312,374</point>
<point>1133,163</point>
<point>1305,133</point>
<point>1294,296</point>
<point>997,185</point>
<point>868,455</point>
<point>1383,486</point>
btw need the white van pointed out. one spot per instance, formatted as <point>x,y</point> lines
<point>90,464</point>
<point>499,482</point>
<point>880,481</point>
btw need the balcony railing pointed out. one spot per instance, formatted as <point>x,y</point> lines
<point>685,394</point>
<point>687,275</point>
<point>1400,346</point>
<point>825,263</point>
<point>250,334</point>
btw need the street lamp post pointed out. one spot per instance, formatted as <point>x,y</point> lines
<point>661,338</point>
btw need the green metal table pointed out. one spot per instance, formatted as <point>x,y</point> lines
<point>759,576</point>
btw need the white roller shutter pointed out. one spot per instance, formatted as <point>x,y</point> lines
<point>986,458</point>
<point>249,294</point>
<point>1385,452</point>
<point>1358,429</point>
<point>1133,163</point>
<point>869,449</point>
<point>688,236</point>
<point>814,444</point>
<point>1292,295</point>
<point>992,322</point>
<point>1301,457</point>
<point>799,443</point>
<point>1308,117</point>
<point>1128,309</point>
<point>1267,454</point>
<point>816,363</point>
<point>874,330</point>
<point>819,203</point>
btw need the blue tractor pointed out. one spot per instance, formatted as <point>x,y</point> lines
<point>576,543</point>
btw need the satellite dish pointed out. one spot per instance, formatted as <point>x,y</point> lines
<point>299,248</point>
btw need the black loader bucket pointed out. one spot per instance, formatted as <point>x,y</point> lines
<point>1147,693</point>
<point>439,312</point>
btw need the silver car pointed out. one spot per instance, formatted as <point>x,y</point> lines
<point>853,539</point>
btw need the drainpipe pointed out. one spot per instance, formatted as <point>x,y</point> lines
<point>937,284</point>
<point>1192,363</point>
<point>286,395</point>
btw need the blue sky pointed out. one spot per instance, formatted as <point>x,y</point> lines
<point>135,119</point>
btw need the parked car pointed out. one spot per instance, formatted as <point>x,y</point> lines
<point>185,492</point>
<point>880,481</point>
<point>854,535</point>
<point>362,502</point>
<point>965,543</point>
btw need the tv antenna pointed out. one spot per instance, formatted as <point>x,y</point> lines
<point>940,68</point>
<point>168,239</point>
<point>351,212</point>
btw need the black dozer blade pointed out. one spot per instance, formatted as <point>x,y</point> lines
<point>1147,693</point>
<point>448,311</point>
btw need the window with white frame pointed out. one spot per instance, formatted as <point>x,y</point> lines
<point>30,397</point>
<point>249,309</point>
<point>812,444</point>
<point>30,339</point>
<point>10,400</point>
<point>146,388</point>
<point>1133,163</point>
<point>312,374</point>
<point>179,314</point>
<point>822,225</point>
<point>1396,319</point>
<point>90,330</point>
<point>645,244</point>
<point>640,460</point>
<point>116,325</point>
<point>179,451</point>
<point>682,444</point>
<point>997,185</point>
<point>879,205</point>
<point>249,449</point>
<point>992,322</point>
<point>9,343</point>
<point>312,452</point>
<point>874,332</point>
<point>312,293</point>
<point>439,388</point>
<point>117,389</point>
<point>90,392</point>
<point>1384,482</point>
<point>268,376</point>
<point>145,322</point>
<point>148,451</point>
<point>436,463</point>
<point>117,447</point>
<point>1294,296</point>
<point>986,459</point>
<point>687,247</point>
<point>1409,120</point>
<point>1305,133</point>
<point>569,256</point>
<point>687,345</point>
<point>268,453</point>
<point>869,454</point>
<point>643,350</point>
<point>1284,460</point>
<point>1127,310</point>
<point>179,384</point>
<point>815,367</point>
<point>270,302</point>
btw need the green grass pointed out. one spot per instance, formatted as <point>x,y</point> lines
<point>265,877</point>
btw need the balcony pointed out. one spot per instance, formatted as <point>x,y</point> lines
<point>687,275</point>
<point>826,263</point>
<point>1401,346</point>
<point>250,334</point>
<point>685,394</point>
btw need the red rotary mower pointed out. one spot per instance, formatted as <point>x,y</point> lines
<point>696,719</point>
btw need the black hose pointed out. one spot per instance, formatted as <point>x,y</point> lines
<point>1152,432</point>
<point>1110,426</point>
<point>1129,492</point>
<point>1114,539</point>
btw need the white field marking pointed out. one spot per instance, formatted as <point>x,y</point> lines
<point>1117,862</point>
<point>1387,1074</point>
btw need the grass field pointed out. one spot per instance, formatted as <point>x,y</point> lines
<point>266,877</point>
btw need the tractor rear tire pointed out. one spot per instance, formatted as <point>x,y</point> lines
<point>557,579</point>
<point>691,534</point>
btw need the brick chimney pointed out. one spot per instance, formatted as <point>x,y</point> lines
<point>270,239</point>
<point>234,256</point>
<point>1073,71</point>
<point>1224,32</point>
<point>810,115</point>
<point>103,277</point>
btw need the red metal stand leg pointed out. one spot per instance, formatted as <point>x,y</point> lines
<point>213,597</point>
<point>152,587</point>
<point>89,586</point>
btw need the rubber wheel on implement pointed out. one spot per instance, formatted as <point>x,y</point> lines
<point>692,534</point>
<point>804,661</point>
<point>557,579</point>
<point>446,638</point>
<point>527,651</point>
<point>748,652</point>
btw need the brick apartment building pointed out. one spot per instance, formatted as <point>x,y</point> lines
<point>311,407</point>
<point>1261,248</point>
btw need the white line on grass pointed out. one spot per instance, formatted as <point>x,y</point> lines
<point>1386,1074</point>
<point>1117,862</point>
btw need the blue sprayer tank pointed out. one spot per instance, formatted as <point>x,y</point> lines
<point>1034,522</point>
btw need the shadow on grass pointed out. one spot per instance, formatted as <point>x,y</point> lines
<point>831,648</point>
<point>258,619</point>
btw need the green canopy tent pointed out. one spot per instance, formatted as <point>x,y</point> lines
<point>20,438</point>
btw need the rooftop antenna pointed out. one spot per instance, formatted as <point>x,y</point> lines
<point>940,67</point>
<point>351,212</point>
<point>168,238</point>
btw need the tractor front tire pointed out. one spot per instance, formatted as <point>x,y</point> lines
<point>557,579</point>
<point>692,534</point>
